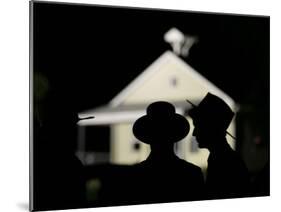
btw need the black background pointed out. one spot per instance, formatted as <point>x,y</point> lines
<point>90,53</point>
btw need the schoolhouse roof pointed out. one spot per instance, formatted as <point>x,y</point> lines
<point>164,59</point>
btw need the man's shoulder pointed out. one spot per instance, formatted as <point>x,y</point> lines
<point>190,165</point>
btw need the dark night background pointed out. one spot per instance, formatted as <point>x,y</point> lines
<point>86,50</point>
<point>90,53</point>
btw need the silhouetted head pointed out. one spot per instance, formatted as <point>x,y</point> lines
<point>211,118</point>
<point>162,125</point>
<point>59,121</point>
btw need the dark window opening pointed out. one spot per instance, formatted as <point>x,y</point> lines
<point>97,145</point>
<point>97,139</point>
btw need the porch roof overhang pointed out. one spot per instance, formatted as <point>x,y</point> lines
<point>107,114</point>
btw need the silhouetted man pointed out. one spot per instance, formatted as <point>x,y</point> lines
<point>163,177</point>
<point>227,175</point>
<point>58,174</point>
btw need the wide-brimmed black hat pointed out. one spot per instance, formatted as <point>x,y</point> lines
<point>161,124</point>
<point>214,110</point>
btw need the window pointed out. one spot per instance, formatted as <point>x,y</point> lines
<point>173,81</point>
<point>136,145</point>
<point>194,145</point>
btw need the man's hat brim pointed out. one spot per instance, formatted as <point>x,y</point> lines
<point>172,130</point>
<point>193,112</point>
<point>212,109</point>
